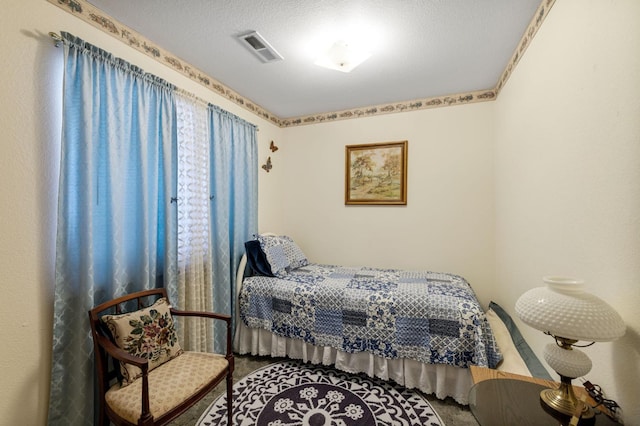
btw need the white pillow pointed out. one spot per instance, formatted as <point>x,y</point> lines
<point>512,361</point>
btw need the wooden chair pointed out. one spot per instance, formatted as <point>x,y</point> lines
<point>163,392</point>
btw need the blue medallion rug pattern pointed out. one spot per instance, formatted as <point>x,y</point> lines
<point>292,393</point>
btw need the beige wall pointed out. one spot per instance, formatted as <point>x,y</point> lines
<point>482,178</point>
<point>447,224</point>
<point>568,174</point>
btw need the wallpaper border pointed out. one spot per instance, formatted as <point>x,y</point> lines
<point>393,107</point>
<point>97,18</point>
<point>525,41</point>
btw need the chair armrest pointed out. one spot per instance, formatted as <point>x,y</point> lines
<point>214,315</point>
<point>142,363</point>
<point>121,354</point>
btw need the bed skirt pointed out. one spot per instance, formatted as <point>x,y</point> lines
<point>439,380</point>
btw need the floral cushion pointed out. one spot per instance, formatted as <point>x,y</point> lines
<point>282,253</point>
<point>148,333</point>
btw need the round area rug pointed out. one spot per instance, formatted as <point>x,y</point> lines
<point>293,393</point>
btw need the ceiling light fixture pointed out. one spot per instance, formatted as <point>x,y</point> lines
<point>343,56</point>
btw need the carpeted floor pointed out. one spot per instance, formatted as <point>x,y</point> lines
<point>451,413</point>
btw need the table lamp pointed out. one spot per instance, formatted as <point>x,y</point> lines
<point>563,310</point>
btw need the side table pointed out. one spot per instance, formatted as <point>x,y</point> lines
<point>498,398</point>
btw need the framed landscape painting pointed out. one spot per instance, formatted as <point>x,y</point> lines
<point>376,174</point>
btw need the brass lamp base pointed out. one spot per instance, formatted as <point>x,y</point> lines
<point>563,400</point>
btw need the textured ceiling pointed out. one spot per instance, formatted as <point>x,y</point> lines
<point>421,48</point>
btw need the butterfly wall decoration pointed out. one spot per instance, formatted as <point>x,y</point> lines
<point>273,147</point>
<point>267,166</point>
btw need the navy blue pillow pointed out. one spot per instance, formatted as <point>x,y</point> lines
<point>256,259</point>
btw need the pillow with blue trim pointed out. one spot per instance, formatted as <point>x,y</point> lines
<point>282,253</point>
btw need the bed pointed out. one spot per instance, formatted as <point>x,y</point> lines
<point>362,320</point>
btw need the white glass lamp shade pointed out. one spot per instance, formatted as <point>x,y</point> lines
<point>573,363</point>
<point>562,308</point>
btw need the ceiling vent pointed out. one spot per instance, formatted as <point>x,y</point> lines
<point>260,47</point>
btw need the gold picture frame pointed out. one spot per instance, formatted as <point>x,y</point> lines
<point>376,174</point>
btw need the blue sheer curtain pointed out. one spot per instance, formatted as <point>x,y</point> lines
<point>116,220</point>
<point>234,203</point>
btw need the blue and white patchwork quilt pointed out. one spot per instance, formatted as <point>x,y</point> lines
<point>426,316</point>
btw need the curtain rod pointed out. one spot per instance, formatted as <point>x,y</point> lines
<point>58,40</point>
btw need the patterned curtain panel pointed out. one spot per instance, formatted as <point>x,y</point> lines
<point>234,203</point>
<point>156,189</point>
<point>195,289</point>
<point>116,230</point>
